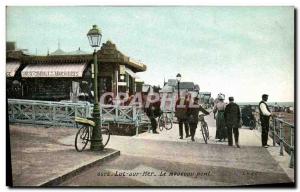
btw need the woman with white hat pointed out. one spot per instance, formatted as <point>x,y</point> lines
<point>219,109</point>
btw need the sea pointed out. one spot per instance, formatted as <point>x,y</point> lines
<point>281,104</point>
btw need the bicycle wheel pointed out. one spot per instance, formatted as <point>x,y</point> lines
<point>206,130</point>
<point>82,138</point>
<point>161,122</point>
<point>204,133</point>
<point>168,123</point>
<point>105,136</point>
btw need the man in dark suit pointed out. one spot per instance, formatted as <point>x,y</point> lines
<point>181,108</point>
<point>153,111</point>
<point>193,116</point>
<point>232,118</point>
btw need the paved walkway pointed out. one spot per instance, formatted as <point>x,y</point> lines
<point>198,164</point>
<point>38,158</point>
<point>46,156</point>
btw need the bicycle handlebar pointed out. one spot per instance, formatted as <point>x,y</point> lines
<point>202,115</point>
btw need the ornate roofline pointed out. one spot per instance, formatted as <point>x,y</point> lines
<point>108,53</point>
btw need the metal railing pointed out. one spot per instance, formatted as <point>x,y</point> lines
<point>285,138</point>
<point>281,132</point>
<point>118,114</point>
<point>47,112</point>
<point>64,113</point>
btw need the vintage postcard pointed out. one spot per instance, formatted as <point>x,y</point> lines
<point>150,96</point>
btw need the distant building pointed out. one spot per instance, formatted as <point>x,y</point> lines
<point>189,86</point>
<point>172,85</point>
<point>205,97</point>
<point>78,52</point>
<point>172,82</point>
<point>59,51</point>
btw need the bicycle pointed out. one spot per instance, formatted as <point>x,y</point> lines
<point>165,121</point>
<point>204,128</point>
<point>83,135</point>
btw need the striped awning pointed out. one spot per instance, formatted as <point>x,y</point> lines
<point>11,68</point>
<point>54,70</point>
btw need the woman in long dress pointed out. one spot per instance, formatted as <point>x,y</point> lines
<point>219,109</point>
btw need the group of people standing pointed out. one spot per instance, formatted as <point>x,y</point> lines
<point>228,120</point>
<point>188,115</point>
<point>228,117</point>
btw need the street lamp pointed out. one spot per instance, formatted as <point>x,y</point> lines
<point>94,35</point>
<point>178,77</point>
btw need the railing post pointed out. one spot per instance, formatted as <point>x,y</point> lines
<point>54,115</point>
<point>66,110</point>
<point>292,148</point>
<point>87,110</point>
<point>117,113</point>
<point>13,110</point>
<point>274,130</point>
<point>76,108</point>
<point>134,111</point>
<point>19,112</point>
<point>33,113</point>
<point>100,114</point>
<point>280,139</point>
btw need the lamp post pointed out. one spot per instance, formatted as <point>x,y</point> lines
<point>178,77</point>
<point>94,35</point>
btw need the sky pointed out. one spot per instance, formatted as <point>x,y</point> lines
<point>239,51</point>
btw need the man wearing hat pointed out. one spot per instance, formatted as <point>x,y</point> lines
<point>264,113</point>
<point>181,108</point>
<point>232,118</point>
<point>193,116</point>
